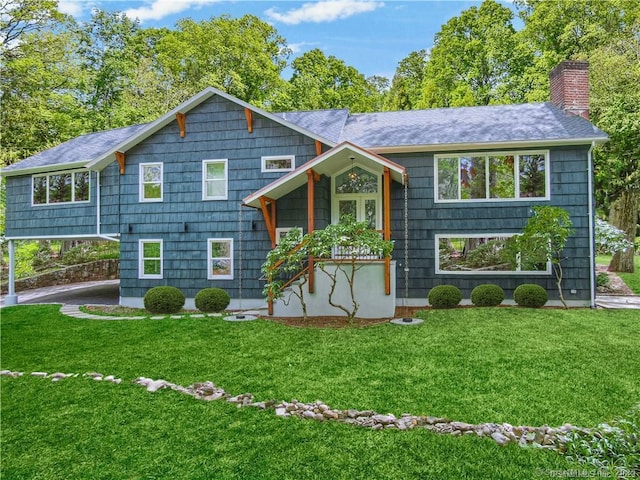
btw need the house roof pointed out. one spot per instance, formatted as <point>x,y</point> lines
<point>75,152</point>
<point>521,125</point>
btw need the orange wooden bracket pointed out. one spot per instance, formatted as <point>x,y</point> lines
<point>182,122</point>
<point>318,147</point>
<point>120,159</point>
<point>269,217</point>
<point>249,114</point>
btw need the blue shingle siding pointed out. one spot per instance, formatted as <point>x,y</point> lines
<point>216,129</point>
<point>427,218</point>
<point>68,219</point>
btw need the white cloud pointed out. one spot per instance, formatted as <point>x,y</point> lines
<point>323,11</point>
<point>158,9</point>
<point>298,47</point>
<point>74,8</point>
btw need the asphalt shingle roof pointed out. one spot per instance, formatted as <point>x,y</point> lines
<point>85,147</point>
<point>434,127</point>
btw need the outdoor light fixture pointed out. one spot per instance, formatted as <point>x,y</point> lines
<point>353,175</point>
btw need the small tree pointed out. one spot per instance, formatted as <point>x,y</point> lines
<point>543,240</point>
<point>354,243</point>
<point>348,245</point>
<point>288,258</point>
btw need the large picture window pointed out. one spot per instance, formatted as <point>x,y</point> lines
<point>220,259</point>
<point>60,187</point>
<point>494,176</point>
<point>151,182</point>
<point>149,258</point>
<point>482,254</point>
<point>214,179</point>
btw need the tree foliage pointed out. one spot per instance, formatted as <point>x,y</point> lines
<point>543,240</point>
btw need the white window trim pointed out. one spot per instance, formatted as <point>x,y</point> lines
<point>336,197</point>
<point>515,153</point>
<point>141,259</point>
<point>282,231</point>
<point>438,236</point>
<point>226,179</point>
<point>265,159</point>
<point>210,276</point>
<point>73,188</point>
<point>141,182</point>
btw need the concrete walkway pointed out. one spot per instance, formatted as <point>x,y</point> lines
<point>618,301</point>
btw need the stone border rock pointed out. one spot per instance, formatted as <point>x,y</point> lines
<point>552,438</point>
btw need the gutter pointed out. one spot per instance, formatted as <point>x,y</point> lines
<point>592,258</point>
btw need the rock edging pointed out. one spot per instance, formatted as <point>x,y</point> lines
<point>552,438</point>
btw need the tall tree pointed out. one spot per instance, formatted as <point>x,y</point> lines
<point>406,85</point>
<point>21,17</point>
<point>320,82</point>
<point>241,56</point>
<point>474,58</point>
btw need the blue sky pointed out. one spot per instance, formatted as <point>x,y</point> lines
<point>370,35</point>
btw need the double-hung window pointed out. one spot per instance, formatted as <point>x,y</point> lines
<point>220,259</point>
<point>149,258</point>
<point>151,183</point>
<point>60,187</point>
<point>492,176</point>
<point>214,179</point>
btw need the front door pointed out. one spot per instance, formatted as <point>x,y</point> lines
<point>357,192</point>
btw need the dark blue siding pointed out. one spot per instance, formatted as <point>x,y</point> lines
<point>569,190</point>
<point>216,129</point>
<point>25,220</point>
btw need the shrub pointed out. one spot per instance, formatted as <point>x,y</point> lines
<point>444,296</point>
<point>530,295</point>
<point>602,279</point>
<point>487,295</point>
<point>164,299</point>
<point>212,300</point>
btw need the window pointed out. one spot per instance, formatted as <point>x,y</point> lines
<point>281,163</point>
<point>149,258</point>
<point>492,176</point>
<point>214,179</point>
<point>482,254</point>
<point>61,187</point>
<point>282,232</point>
<point>357,192</point>
<point>151,182</point>
<point>220,259</point>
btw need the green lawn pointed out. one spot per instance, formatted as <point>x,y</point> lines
<point>510,365</point>
<point>631,279</point>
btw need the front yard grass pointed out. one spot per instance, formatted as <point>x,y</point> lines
<point>521,366</point>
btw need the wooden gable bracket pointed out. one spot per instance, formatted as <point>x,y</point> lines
<point>269,215</point>
<point>318,147</point>
<point>120,159</point>
<point>249,114</point>
<point>181,118</point>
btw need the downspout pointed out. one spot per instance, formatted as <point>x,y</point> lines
<point>98,221</point>
<point>592,258</point>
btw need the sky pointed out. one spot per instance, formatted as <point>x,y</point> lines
<point>371,35</point>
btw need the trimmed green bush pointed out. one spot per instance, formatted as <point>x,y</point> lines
<point>487,295</point>
<point>530,295</point>
<point>164,299</point>
<point>212,300</point>
<point>444,296</point>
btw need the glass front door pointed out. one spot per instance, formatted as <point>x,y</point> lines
<point>357,193</point>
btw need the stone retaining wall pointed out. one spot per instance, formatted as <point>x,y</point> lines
<point>86,272</point>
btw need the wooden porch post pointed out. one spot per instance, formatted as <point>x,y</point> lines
<point>312,177</point>
<point>387,227</point>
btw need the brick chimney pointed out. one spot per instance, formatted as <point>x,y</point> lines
<point>569,84</point>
